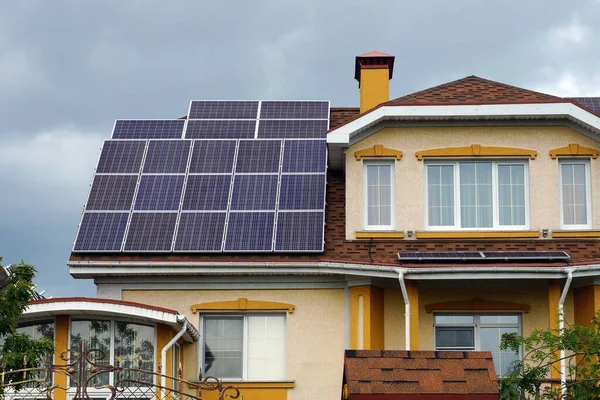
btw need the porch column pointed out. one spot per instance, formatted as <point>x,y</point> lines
<point>366,318</point>
<point>587,299</point>
<point>412,288</point>
<point>61,344</point>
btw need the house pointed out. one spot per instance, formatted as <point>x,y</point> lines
<point>449,217</point>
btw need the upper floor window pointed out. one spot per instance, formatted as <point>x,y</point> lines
<point>575,190</point>
<point>477,195</point>
<point>379,194</point>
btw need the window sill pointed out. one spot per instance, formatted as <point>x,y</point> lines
<point>257,384</point>
<point>477,234</point>
<point>379,235</point>
<point>575,234</point>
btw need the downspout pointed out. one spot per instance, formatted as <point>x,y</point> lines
<point>406,310</point>
<point>561,328</point>
<point>163,355</point>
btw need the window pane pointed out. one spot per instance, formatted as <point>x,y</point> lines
<point>266,355</point>
<point>134,343</point>
<point>97,333</point>
<point>511,194</point>
<point>440,192</point>
<point>379,194</point>
<point>476,195</point>
<point>223,338</point>
<point>455,337</point>
<point>490,341</point>
<point>499,319</point>
<point>574,194</point>
<point>454,319</point>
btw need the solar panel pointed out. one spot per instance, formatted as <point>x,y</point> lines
<point>151,231</point>
<point>167,156</point>
<point>121,157</point>
<point>305,156</point>
<point>112,192</point>
<point>302,129</point>
<point>294,110</point>
<point>101,232</point>
<point>223,110</point>
<point>300,231</point>
<point>159,192</point>
<point>200,232</point>
<point>213,156</point>
<point>254,192</point>
<point>439,255</point>
<point>258,156</point>
<point>206,192</point>
<point>592,103</point>
<point>220,129</point>
<point>148,129</point>
<point>250,231</point>
<point>526,255</point>
<point>302,192</point>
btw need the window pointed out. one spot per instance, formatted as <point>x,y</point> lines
<point>477,195</point>
<point>478,332</point>
<point>244,347</point>
<point>575,194</point>
<point>378,194</point>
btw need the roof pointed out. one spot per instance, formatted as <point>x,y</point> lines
<point>412,374</point>
<point>591,103</point>
<point>340,115</point>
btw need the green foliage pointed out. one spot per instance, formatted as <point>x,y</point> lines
<point>542,354</point>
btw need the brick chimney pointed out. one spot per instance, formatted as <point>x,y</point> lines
<point>373,71</point>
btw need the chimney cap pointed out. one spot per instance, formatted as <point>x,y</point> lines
<point>373,59</point>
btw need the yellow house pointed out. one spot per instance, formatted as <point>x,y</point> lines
<point>451,216</point>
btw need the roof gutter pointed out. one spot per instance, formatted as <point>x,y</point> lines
<point>406,310</point>
<point>561,329</point>
<point>163,354</point>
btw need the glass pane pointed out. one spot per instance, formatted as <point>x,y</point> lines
<point>454,337</point>
<point>453,319</point>
<point>134,348</point>
<point>578,174</point>
<point>223,347</point>
<point>385,215</point>
<point>266,355</point>
<point>385,174</point>
<point>490,339</point>
<point>372,175</point>
<point>440,195</point>
<point>499,319</point>
<point>97,334</point>
<point>373,215</point>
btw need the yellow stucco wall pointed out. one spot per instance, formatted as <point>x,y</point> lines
<point>409,172</point>
<point>374,87</point>
<point>315,333</point>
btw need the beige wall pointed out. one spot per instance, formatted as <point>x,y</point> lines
<point>409,172</point>
<point>315,331</point>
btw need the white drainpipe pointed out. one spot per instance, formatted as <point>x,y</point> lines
<point>406,310</point>
<point>561,328</point>
<point>163,355</point>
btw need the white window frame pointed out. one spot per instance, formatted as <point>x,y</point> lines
<point>244,346</point>
<point>495,195</point>
<point>588,193</point>
<point>392,164</point>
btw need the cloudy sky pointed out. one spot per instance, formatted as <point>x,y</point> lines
<point>68,69</point>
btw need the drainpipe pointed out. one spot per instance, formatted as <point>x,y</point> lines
<point>561,328</point>
<point>406,310</point>
<point>163,354</point>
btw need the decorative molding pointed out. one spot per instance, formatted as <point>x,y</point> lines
<point>379,235</point>
<point>575,234</point>
<point>477,234</point>
<point>476,150</point>
<point>243,304</point>
<point>574,150</point>
<point>377,151</point>
<point>477,304</point>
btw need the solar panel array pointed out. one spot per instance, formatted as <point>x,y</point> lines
<point>237,176</point>
<point>593,103</point>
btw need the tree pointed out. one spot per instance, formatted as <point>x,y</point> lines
<point>18,349</point>
<point>542,354</point>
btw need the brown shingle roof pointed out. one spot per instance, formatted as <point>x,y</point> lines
<point>340,115</point>
<point>412,374</point>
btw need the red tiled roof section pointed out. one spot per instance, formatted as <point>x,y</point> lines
<point>340,115</point>
<point>412,374</point>
<point>474,90</point>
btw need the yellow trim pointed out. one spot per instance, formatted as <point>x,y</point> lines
<point>372,318</point>
<point>575,234</point>
<point>412,289</point>
<point>243,304</point>
<point>477,234</point>
<point>377,151</point>
<point>379,235</point>
<point>477,304</point>
<point>61,344</point>
<point>574,149</point>
<point>476,150</point>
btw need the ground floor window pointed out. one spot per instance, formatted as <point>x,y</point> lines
<point>244,347</point>
<point>478,332</point>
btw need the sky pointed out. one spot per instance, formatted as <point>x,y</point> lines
<point>68,69</point>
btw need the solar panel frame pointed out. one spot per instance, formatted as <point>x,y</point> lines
<point>291,109</point>
<point>173,130</point>
<point>118,149</point>
<point>439,255</point>
<point>201,164</point>
<point>189,232</point>
<point>220,129</point>
<point>526,255</point>
<point>100,236</point>
<point>101,198</point>
<point>238,239</point>
<point>144,229</point>
<point>217,109</point>
<point>166,198</point>
<point>304,156</point>
<point>593,103</point>
<point>254,192</point>
<point>252,156</point>
<point>167,156</point>
<point>285,243</point>
<point>212,191</point>
<point>292,128</point>
<point>302,192</point>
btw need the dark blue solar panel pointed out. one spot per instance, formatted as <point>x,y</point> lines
<point>101,232</point>
<point>212,156</point>
<point>200,232</point>
<point>301,129</point>
<point>254,192</point>
<point>167,156</point>
<point>112,192</point>
<point>206,192</point>
<point>302,192</point>
<point>149,129</point>
<point>251,231</point>
<point>159,192</point>
<point>299,231</point>
<point>223,109</point>
<point>121,157</point>
<point>151,232</point>
<point>593,103</point>
<point>258,156</point>
<point>294,110</point>
<point>224,129</point>
<point>305,156</point>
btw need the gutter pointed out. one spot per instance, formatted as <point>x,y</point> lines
<point>163,354</point>
<point>406,311</point>
<point>561,329</point>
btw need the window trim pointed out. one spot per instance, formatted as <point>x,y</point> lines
<point>495,195</point>
<point>392,164</point>
<point>588,193</point>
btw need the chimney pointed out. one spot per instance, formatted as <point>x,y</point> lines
<point>373,72</point>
